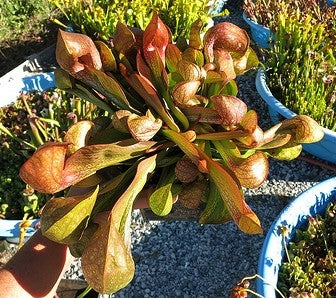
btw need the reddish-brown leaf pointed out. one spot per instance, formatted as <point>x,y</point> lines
<point>230,108</point>
<point>44,169</point>
<point>252,171</point>
<point>74,51</point>
<point>156,36</point>
<point>184,93</point>
<point>225,36</point>
<point>107,262</point>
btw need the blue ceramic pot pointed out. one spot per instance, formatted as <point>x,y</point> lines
<point>260,34</point>
<point>331,2</point>
<point>324,149</point>
<point>310,203</point>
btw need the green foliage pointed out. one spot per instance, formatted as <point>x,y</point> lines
<point>20,16</point>
<point>311,267</point>
<point>302,62</point>
<point>99,18</point>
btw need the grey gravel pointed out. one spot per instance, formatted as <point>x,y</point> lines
<point>184,259</point>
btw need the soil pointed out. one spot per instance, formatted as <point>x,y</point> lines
<point>13,53</point>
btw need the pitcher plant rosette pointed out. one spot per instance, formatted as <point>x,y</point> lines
<point>171,129</point>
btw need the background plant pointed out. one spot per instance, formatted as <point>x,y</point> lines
<point>311,265</point>
<point>264,12</point>
<point>175,128</point>
<point>98,18</point>
<point>301,62</point>
<point>21,16</point>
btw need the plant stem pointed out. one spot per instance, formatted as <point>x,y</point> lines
<point>86,291</point>
<point>264,280</point>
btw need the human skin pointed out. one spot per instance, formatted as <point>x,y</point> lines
<point>36,269</point>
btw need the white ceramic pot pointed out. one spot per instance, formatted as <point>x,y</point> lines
<point>36,73</point>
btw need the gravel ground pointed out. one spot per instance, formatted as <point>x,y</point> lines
<point>184,259</point>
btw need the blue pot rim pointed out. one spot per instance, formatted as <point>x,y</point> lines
<point>309,203</point>
<point>253,23</point>
<point>266,94</point>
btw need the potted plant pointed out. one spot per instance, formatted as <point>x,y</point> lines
<point>172,128</point>
<point>259,15</point>
<point>298,252</point>
<point>299,70</point>
<point>262,15</point>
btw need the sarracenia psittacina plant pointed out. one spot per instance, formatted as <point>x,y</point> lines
<point>172,122</point>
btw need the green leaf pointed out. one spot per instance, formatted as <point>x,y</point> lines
<point>122,209</point>
<point>63,220</point>
<point>77,248</point>
<point>233,198</point>
<point>231,88</point>
<point>63,80</point>
<point>89,96</point>
<point>77,135</point>
<point>195,35</point>
<point>108,135</point>
<point>111,190</point>
<point>89,159</point>
<point>161,200</point>
<point>289,151</point>
<point>215,211</point>
<point>108,61</point>
<point>173,56</point>
<point>109,87</point>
